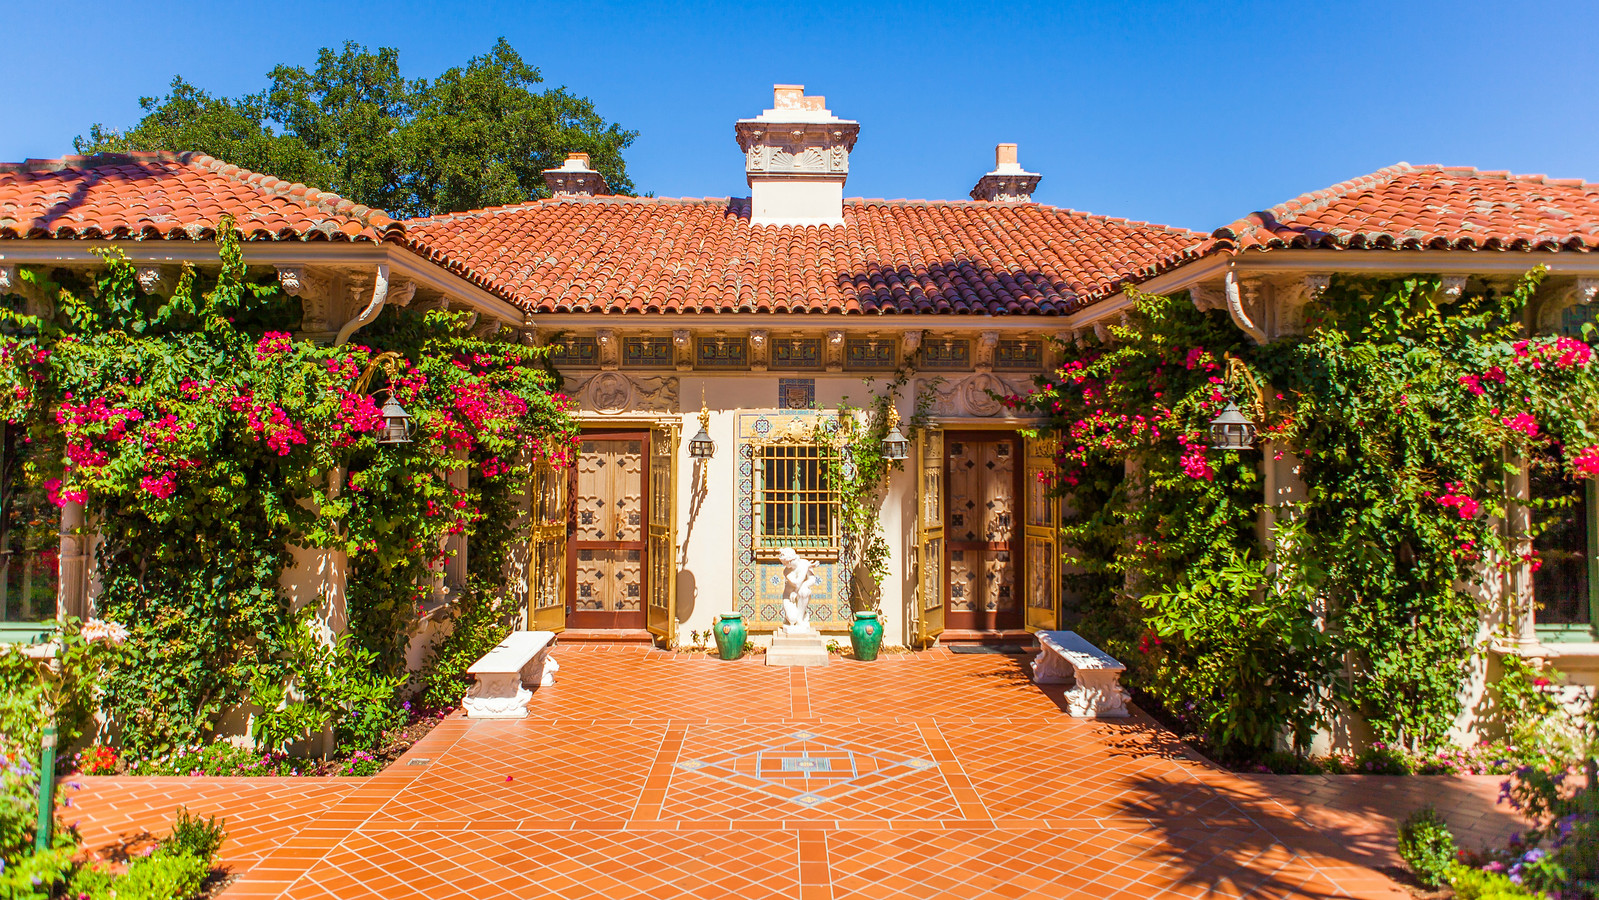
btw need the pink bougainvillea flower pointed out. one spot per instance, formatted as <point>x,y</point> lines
<point>1522,422</point>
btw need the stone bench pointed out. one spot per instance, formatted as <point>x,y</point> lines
<point>522,658</point>
<point>1065,658</point>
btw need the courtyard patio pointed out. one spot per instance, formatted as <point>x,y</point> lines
<point>646,773</point>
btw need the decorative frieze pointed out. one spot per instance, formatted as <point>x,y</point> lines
<point>797,353</point>
<point>976,396</point>
<point>721,352</point>
<point>869,354</point>
<point>647,352</point>
<point>613,393</point>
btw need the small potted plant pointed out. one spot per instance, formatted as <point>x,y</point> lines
<point>731,635</point>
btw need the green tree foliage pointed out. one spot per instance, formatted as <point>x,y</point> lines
<point>478,135</point>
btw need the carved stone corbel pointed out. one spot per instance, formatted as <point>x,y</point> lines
<point>1316,285</point>
<point>1453,286</point>
<point>486,328</point>
<point>910,342</point>
<point>11,283</point>
<point>1587,290</point>
<point>759,349</point>
<point>403,296</point>
<point>683,350</point>
<point>986,342</point>
<point>610,351</point>
<point>1207,297</point>
<point>835,351</point>
<point>291,279</point>
<point>316,298</point>
<point>1102,332</point>
<point>151,279</point>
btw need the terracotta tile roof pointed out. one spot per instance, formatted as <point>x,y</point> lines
<point>1405,207</point>
<point>172,195</point>
<point>613,254</point>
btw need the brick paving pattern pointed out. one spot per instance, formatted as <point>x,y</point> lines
<point>645,773</point>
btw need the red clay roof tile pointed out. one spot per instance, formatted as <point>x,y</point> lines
<point>1405,207</point>
<point>172,195</point>
<point>616,254</point>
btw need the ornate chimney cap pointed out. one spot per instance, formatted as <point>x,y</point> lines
<point>575,178</point>
<point>796,159</point>
<point>1009,182</point>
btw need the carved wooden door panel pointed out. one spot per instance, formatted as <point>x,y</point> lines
<point>1042,562</point>
<point>929,535</point>
<point>980,528</point>
<point>609,539</point>
<point>547,558</point>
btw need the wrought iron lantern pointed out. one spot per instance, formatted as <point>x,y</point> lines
<point>396,423</point>
<point>1231,430</point>
<point>701,446</point>
<point>895,446</point>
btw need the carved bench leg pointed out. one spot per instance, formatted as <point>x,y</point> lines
<point>1098,694</point>
<point>1051,668</point>
<point>498,695</point>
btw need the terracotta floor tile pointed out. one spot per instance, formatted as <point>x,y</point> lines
<point>643,773</point>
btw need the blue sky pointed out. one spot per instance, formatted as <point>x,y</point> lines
<point>1189,114</point>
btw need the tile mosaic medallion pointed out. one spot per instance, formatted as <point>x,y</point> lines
<point>807,769</point>
<point>760,583</point>
<point>796,393</point>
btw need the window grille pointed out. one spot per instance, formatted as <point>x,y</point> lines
<point>796,503</point>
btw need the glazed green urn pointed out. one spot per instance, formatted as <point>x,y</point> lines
<point>866,635</point>
<point>730,635</point>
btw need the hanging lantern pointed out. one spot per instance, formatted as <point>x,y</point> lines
<point>396,423</point>
<point>895,446</point>
<point>702,447</point>
<point>1231,431</point>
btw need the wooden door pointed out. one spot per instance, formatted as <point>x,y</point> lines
<point>547,559</point>
<point>1042,534</point>
<point>607,567</point>
<point>982,484</point>
<point>930,582</point>
<point>661,583</point>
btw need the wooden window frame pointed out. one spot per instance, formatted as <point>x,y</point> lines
<point>1579,632</point>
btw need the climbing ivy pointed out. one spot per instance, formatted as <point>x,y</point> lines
<point>205,440</point>
<point>1403,405</point>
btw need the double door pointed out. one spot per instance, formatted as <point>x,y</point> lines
<point>988,553</point>
<point>605,547</point>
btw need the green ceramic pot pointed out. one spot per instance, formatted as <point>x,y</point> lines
<point>730,635</point>
<point>866,635</point>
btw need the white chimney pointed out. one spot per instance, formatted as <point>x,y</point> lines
<point>1008,182</point>
<point>574,178</point>
<point>796,157</point>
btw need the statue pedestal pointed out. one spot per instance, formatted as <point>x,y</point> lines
<point>797,648</point>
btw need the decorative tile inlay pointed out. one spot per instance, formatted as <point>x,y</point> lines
<point>808,769</point>
<point>1015,355</point>
<point>576,351</point>
<point>647,352</point>
<point>942,354</point>
<point>796,393</point>
<point>722,352</point>
<point>796,353</point>
<point>869,353</point>
<point>762,605</point>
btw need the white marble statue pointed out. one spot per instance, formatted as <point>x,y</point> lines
<point>797,582</point>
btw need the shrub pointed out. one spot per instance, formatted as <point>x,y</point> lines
<point>1380,759</point>
<point>1475,884</point>
<point>161,876</point>
<point>195,836</point>
<point>218,759</point>
<point>1427,846</point>
<point>477,624</point>
<point>35,875</point>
